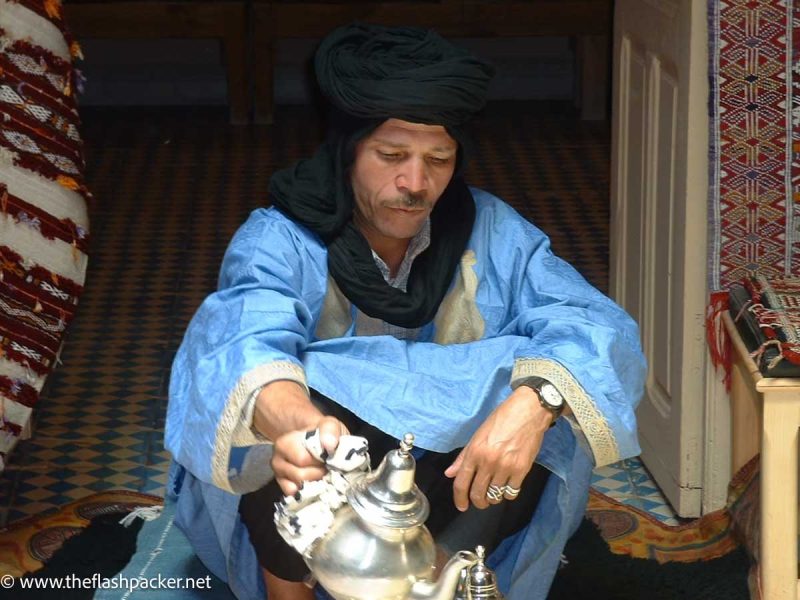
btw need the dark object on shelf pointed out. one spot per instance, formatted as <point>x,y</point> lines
<point>767,315</point>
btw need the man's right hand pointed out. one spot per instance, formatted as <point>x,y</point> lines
<point>284,414</point>
<point>293,464</point>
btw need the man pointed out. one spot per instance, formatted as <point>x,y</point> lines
<point>381,295</point>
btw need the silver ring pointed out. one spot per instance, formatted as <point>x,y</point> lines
<point>510,492</point>
<point>494,493</point>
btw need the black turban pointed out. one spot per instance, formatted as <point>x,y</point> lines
<point>371,74</point>
<point>407,73</point>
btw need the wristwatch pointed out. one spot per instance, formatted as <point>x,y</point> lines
<point>549,396</point>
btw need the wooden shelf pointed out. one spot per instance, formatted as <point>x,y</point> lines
<point>766,418</point>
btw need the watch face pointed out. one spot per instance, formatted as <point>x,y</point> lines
<point>551,395</point>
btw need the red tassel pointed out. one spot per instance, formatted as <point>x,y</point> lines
<point>719,343</point>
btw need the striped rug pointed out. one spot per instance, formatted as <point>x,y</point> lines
<point>43,215</point>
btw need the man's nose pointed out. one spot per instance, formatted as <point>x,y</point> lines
<point>413,178</point>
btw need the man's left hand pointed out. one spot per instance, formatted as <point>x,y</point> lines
<point>502,450</point>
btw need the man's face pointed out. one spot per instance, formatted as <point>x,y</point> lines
<point>399,173</point>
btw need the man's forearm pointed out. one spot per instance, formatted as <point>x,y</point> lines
<point>283,406</point>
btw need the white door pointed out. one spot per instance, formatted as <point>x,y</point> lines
<point>658,226</point>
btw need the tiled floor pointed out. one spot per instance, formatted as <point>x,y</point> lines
<point>629,482</point>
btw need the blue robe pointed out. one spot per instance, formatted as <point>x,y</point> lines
<point>514,309</point>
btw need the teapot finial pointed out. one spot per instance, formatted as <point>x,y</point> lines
<point>406,444</point>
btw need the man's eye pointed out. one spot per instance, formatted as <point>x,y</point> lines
<point>389,155</point>
<point>437,160</point>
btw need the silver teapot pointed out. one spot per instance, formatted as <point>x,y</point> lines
<point>378,547</point>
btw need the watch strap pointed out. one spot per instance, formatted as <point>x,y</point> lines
<point>536,383</point>
<point>532,381</point>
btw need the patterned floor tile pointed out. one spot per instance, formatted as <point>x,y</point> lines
<point>39,494</point>
<point>614,487</point>
<point>80,479</point>
<point>76,493</point>
<point>121,453</point>
<point>639,477</point>
<point>629,482</point>
<point>647,488</point>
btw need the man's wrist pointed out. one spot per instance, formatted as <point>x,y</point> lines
<point>282,406</point>
<point>530,399</point>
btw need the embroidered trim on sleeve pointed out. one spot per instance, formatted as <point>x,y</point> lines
<point>234,427</point>
<point>592,422</point>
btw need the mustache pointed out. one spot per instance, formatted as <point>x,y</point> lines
<point>408,201</point>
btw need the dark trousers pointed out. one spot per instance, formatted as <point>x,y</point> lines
<point>257,508</point>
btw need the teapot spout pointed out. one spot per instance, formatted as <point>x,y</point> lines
<point>444,588</point>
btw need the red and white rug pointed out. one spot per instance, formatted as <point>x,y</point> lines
<point>753,216</point>
<point>44,223</point>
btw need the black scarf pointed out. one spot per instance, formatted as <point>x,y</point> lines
<point>317,194</point>
<point>370,74</point>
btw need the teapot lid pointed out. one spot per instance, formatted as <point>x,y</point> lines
<point>388,496</point>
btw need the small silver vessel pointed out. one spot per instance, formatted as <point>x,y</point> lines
<point>478,582</point>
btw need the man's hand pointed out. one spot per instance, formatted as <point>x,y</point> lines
<point>502,450</point>
<point>284,414</point>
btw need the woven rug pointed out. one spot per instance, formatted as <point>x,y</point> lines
<point>702,568</point>
<point>44,221</point>
<point>635,533</point>
<point>795,90</point>
<point>754,152</point>
<point>710,558</point>
<point>27,545</point>
<point>622,553</point>
<point>775,305</point>
<point>752,215</point>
